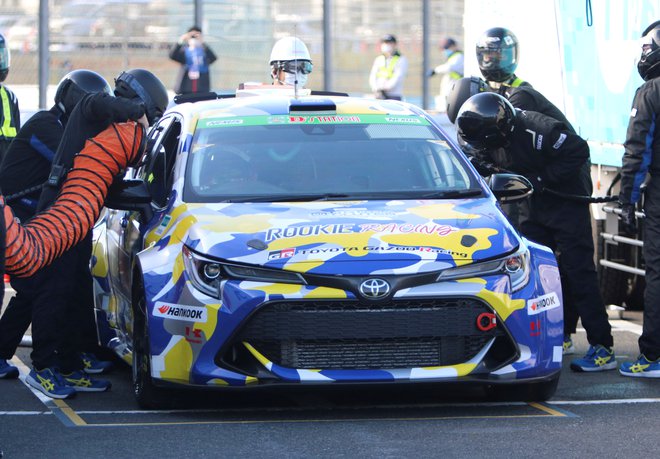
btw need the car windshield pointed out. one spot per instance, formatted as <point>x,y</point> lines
<point>300,158</point>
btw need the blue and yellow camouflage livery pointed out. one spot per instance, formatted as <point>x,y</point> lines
<point>247,292</point>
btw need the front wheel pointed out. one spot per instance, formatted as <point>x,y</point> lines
<point>146,394</point>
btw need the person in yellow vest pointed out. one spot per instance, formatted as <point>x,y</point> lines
<point>11,117</point>
<point>451,71</point>
<point>388,71</point>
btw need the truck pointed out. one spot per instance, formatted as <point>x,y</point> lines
<point>583,58</point>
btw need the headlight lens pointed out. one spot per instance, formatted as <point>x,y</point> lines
<point>516,266</point>
<point>207,274</point>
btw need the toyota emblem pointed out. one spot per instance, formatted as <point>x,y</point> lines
<point>374,288</point>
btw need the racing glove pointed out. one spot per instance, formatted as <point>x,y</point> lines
<point>537,183</point>
<point>430,73</point>
<point>628,220</point>
<point>123,109</point>
<point>485,168</point>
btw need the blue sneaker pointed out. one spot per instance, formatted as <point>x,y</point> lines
<point>597,358</point>
<point>93,365</point>
<point>50,382</point>
<point>7,370</point>
<point>79,381</point>
<point>642,368</point>
<point>568,348</point>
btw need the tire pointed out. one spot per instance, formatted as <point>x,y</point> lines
<point>147,395</point>
<point>524,392</point>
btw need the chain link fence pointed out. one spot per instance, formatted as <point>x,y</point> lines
<point>111,35</point>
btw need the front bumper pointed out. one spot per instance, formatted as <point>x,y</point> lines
<point>261,334</point>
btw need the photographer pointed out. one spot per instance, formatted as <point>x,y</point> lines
<point>195,58</point>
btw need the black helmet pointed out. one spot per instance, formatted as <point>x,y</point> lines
<point>5,58</point>
<point>461,91</point>
<point>142,84</point>
<point>486,120</point>
<point>649,63</point>
<point>75,85</point>
<point>497,54</point>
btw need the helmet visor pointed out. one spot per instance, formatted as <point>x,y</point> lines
<point>648,42</point>
<point>490,58</point>
<point>304,67</point>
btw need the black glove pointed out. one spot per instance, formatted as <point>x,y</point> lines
<point>430,73</point>
<point>123,109</point>
<point>485,168</point>
<point>537,183</point>
<point>628,220</point>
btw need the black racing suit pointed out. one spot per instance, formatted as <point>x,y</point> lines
<point>26,165</point>
<point>66,285</point>
<point>522,95</point>
<point>550,156</point>
<point>642,156</point>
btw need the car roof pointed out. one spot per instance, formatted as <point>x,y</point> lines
<point>269,104</point>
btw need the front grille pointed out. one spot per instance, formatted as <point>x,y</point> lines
<point>354,335</point>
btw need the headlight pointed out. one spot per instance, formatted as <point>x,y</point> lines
<point>516,266</point>
<point>207,274</point>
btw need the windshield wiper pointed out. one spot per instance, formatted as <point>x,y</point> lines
<point>293,197</point>
<point>451,194</point>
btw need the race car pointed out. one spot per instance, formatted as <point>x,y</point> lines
<point>288,239</point>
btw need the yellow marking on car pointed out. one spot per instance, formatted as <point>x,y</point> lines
<point>178,361</point>
<point>462,369</point>
<point>152,235</point>
<point>252,223</point>
<point>100,267</point>
<point>258,355</point>
<point>326,292</point>
<point>272,288</point>
<point>303,267</point>
<point>501,302</point>
<point>442,211</point>
<point>177,269</point>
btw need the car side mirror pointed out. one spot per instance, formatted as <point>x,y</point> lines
<point>131,194</point>
<point>509,187</point>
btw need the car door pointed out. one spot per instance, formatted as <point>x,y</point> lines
<point>157,174</point>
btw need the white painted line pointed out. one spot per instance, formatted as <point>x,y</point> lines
<point>627,326</point>
<point>289,409</point>
<point>620,401</point>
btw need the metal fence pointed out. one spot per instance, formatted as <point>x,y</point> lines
<point>109,36</point>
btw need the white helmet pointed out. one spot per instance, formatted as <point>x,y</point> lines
<point>289,49</point>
